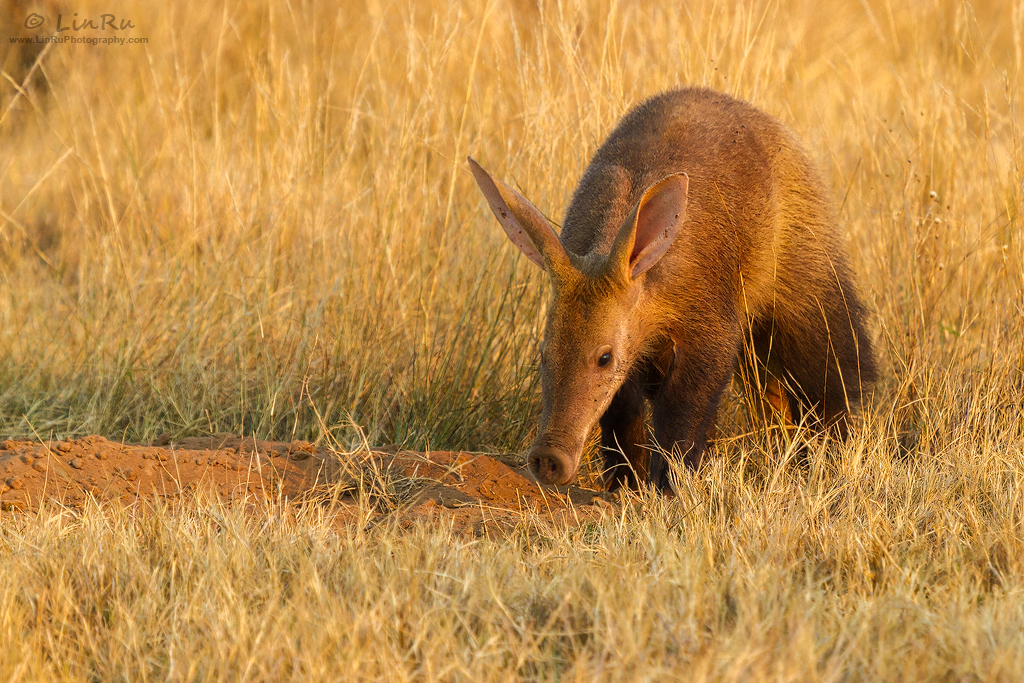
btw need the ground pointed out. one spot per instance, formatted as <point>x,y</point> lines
<point>473,492</point>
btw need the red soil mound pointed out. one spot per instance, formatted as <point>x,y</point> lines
<point>469,491</point>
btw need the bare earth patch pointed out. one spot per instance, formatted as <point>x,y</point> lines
<point>474,493</point>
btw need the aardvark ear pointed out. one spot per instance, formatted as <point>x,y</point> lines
<point>524,224</point>
<point>652,226</point>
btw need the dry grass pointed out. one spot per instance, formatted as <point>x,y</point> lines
<point>261,222</point>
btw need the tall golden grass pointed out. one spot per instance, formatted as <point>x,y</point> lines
<point>261,221</point>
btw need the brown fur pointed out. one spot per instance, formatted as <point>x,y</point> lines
<point>756,269</point>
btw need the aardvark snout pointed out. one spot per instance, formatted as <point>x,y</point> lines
<point>551,466</point>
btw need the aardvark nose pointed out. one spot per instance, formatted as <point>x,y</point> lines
<point>551,466</point>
